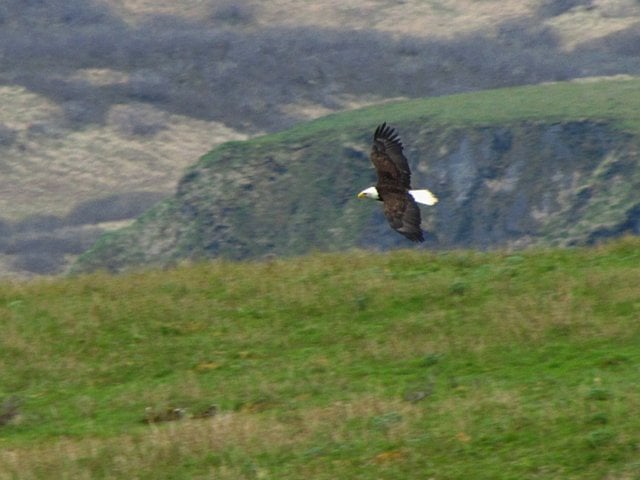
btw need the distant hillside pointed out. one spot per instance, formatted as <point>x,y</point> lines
<point>551,164</point>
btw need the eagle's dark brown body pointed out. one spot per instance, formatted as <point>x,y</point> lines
<point>394,183</point>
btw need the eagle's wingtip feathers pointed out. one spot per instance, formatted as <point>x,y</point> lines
<point>385,132</point>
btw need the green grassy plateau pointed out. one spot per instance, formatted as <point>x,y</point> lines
<point>613,100</point>
<point>355,365</point>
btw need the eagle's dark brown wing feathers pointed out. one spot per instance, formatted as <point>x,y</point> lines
<point>390,161</point>
<point>403,215</point>
<point>394,183</point>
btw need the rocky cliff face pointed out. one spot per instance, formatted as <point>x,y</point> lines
<point>513,185</point>
<point>531,183</point>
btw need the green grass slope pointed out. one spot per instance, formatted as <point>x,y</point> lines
<point>400,365</point>
<point>542,164</point>
<point>606,99</point>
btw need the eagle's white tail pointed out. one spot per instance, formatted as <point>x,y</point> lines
<point>424,196</point>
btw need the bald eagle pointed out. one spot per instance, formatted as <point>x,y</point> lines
<point>394,185</point>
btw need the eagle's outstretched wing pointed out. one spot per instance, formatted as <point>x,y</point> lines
<point>394,183</point>
<point>387,158</point>
<point>403,215</point>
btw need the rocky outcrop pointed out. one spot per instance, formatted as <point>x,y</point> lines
<point>510,185</point>
<point>530,183</point>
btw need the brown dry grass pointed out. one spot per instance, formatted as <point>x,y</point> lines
<point>172,443</point>
<point>48,174</point>
<point>414,17</point>
<point>582,25</point>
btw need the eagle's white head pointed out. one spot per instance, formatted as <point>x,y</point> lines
<point>370,192</point>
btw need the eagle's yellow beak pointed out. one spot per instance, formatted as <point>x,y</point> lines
<point>361,195</point>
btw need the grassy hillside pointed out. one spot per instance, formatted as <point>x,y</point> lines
<point>357,365</point>
<point>605,99</point>
<point>540,164</point>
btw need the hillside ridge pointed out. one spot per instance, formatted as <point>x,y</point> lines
<point>548,165</point>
